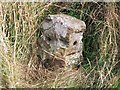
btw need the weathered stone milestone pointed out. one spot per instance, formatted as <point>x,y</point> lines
<point>60,44</point>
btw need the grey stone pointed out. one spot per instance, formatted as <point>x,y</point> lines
<point>61,39</point>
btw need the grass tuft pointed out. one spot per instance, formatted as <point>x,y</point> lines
<point>20,29</point>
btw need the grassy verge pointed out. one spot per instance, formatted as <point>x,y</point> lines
<point>20,29</point>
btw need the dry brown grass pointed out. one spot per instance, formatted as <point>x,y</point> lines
<point>19,28</point>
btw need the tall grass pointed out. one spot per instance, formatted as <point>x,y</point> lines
<point>20,30</point>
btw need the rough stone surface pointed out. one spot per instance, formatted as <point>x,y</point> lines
<point>60,44</point>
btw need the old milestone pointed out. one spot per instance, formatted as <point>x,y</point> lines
<point>60,45</point>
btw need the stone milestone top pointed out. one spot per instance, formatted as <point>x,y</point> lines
<point>61,23</point>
